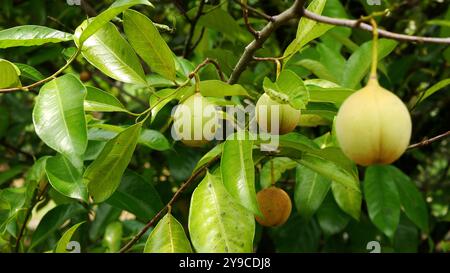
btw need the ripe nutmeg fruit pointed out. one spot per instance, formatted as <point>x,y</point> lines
<point>373,126</point>
<point>195,121</point>
<point>275,206</point>
<point>268,111</point>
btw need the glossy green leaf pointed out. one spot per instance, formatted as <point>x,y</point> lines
<point>311,189</point>
<point>103,18</point>
<point>288,88</point>
<point>65,178</point>
<point>210,155</point>
<point>217,223</point>
<point>104,215</point>
<point>331,218</point>
<point>9,76</point>
<point>109,52</point>
<point>52,220</point>
<point>345,185</point>
<point>435,88</point>
<point>101,101</point>
<point>411,199</point>
<point>215,88</point>
<point>382,198</point>
<point>273,169</point>
<point>332,60</point>
<point>317,68</point>
<point>137,196</point>
<point>58,116</point>
<point>29,72</point>
<point>335,95</point>
<point>148,43</point>
<point>359,62</point>
<point>307,30</point>
<point>61,246</point>
<point>103,175</point>
<point>154,140</point>
<point>238,171</point>
<point>168,237</point>
<point>113,237</point>
<point>31,35</point>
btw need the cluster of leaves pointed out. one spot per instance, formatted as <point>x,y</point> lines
<point>90,155</point>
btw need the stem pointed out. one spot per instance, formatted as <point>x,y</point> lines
<point>373,70</point>
<point>175,197</point>
<point>53,76</point>
<point>427,141</point>
<point>187,46</point>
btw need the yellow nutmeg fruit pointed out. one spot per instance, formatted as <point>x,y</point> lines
<point>275,206</point>
<point>195,121</point>
<point>269,111</point>
<point>373,126</point>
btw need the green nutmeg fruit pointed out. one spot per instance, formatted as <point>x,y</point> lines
<point>373,126</point>
<point>275,206</point>
<point>195,121</point>
<point>269,111</point>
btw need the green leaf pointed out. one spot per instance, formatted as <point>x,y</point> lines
<point>148,43</point>
<point>31,35</point>
<point>210,155</point>
<point>137,196</point>
<point>217,223</point>
<point>310,190</point>
<point>406,239</point>
<point>103,18</point>
<point>359,62</point>
<point>103,175</point>
<point>307,30</point>
<point>317,68</point>
<point>382,198</point>
<point>58,116</point>
<point>168,237</point>
<point>65,178</point>
<point>433,89</point>
<point>222,22</point>
<point>411,199</point>
<point>113,237</point>
<point>10,75</point>
<point>101,101</point>
<point>238,171</point>
<point>61,246</point>
<point>332,60</point>
<point>52,220</point>
<point>272,170</point>
<point>215,88</point>
<point>345,185</point>
<point>331,218</point>
<point>154,140</point>
<point>335,95</point>
<point>289,88</point>
<point>104,215</point>
<point>109,52</point>
<point>29,72</point>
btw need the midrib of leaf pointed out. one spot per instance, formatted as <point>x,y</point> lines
<point>61,108</point>
<point>72,175</point>
<point>308,199</point>
<point>124,64</point>
<point>243,170</point>
<point>216,204</point>
<point>172,248</point>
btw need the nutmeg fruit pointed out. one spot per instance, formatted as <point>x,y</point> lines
<point>195,121</point>
<point>275,206</point>
<point>268,111</point>
<point>373,126</point>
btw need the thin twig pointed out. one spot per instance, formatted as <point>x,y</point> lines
<point>367,27</point>
<point>295,11</point>
<point>428,141</point>
<point>200,37</point>
<point>187,46</point>
<point>253,31</point>
<point>203,64</point>
<point>175,197</point>
<point>255,11</point>
<point>38,83</point>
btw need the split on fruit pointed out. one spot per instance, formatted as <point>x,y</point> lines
<point>195,121</point>
<point>275,206</point>
<point>276,118</point>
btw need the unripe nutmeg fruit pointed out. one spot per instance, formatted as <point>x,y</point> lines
<point>266,111</point>
<point>275,206</point>
<point>195,121</point>
<point>373,126</point>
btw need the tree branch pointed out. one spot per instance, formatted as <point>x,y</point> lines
<point>295,11</point>
<point>367,27</point>
<point>175,197</point>
<point>187,46</point>
<point>428,141</point>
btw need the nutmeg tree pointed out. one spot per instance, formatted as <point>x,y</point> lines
<point>224,126</point>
